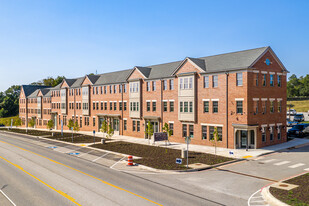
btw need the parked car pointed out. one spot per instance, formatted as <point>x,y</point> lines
<point>291,112</point>
<point>299,130</point>
<point>299,118</point>
<point>290,123</point>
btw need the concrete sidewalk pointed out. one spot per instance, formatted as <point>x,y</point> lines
<point>236,153</point>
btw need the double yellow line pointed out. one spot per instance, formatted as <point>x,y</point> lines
<point>62,193</point>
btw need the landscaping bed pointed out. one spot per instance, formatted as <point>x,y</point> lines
<point>159,157</point>
<point>66,137</point>
<point>296,197</point>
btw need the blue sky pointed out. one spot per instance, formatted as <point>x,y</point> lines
<point>73,38</point>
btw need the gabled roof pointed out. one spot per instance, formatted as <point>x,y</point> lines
<point>29,89</point>
<point>114,77</point>
<point>93,78</point>
<point>144,70</point>
<point>70,82</point>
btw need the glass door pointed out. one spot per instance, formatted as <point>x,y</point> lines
<point>244,138</point>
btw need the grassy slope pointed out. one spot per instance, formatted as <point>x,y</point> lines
<point>6,120</point>
<point>300,106</point>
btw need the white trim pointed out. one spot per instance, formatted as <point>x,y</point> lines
<point>272,72</point>
<point>148,101</point>
<point>187,123</point>
<point>239,99</point>
<point>165,100</point>
<point>125,101</point>
<point>171,100</point>
<point>153,100</point>
<point>171,122</point>
<point>279,73</point>
<point>206,100</point>
<point>264,99</point>
<point>256,71</point>
<point>255,99</point>
<point>125,119</point>
<point>264,72</point>
<point>209,124</point>
<point>264,125</point>
<point>272,99</point>
<point>214,99</point>
<point>119,101</point>
<point>105,101</point>
<point>279,99</point>
<point>271,125</point>
<point>279,124</point>
<point>93,117</point>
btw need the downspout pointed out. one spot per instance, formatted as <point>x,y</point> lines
<point>227,107</point>
<point>160,128</point>
<point>122,104</point>
<point>74,104</point>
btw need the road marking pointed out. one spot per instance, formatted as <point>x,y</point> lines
<point>85,153</point>
<point>100,157</point>
<point>8,198</point>
<point>282,163</point>
<point>296,165</point>
<point>59,191</point>
<point>117,162</point>
<point>248,156</point>
<point>73,150</point>
<point>105,182</point>
<point>306,169</point>
<point>268,161</point>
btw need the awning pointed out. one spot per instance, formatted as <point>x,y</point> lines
<point>152,117</point>
<point>108,115</point>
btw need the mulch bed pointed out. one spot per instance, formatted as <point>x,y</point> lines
<point>159,157</point>
<point>296,197</point>
<point>66,137</point>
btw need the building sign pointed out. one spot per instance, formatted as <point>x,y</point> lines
<point>160,136</point>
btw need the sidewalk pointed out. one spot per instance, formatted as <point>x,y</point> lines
<point>237,153</point>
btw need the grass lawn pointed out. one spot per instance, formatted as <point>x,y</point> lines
<point>295,197</point>
<point>7,120</point>
<point>159,157</point>
<point>300,106</point>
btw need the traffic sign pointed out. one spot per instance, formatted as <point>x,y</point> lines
<point>178,161</point>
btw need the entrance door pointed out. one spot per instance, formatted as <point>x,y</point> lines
<point>116,126</point>
<point>101,119</point>
<point>155,126</point>
<point>243,138</point>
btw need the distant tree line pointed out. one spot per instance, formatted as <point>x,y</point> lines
<point>298,87</point>
<point>9,100</point>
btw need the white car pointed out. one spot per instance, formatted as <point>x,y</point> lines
<point>291,112</point>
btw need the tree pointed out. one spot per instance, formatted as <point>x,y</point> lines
<point>215,139</point>
<point>32,122</point>
<point>149,130</point>
<point>104,127</point>
<point>17,122</point>
<point>9,101</point>
<point>110,131</point>
<point>76,126</point>
<point>167,130</point>
<point>50,124</point>
<point>70,124</point>
<point>49,81</point>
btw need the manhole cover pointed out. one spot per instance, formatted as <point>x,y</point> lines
<point>283,185</point>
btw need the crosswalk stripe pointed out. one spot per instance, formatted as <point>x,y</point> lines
<point>267,161</point>
<point>282,163</point>
<point>296,165</point>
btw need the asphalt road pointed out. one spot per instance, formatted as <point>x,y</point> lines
<point>34,174</point>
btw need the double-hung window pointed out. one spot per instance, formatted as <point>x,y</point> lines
<point>239,107</point>
<point>215,81</point>
<point>239,79</point>
<point>206,106</point>
<point>206,81</point>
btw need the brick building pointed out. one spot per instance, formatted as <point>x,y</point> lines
<point>242,94</point>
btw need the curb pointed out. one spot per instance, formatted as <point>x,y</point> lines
<point>134,157</point>
<point>271,200</point>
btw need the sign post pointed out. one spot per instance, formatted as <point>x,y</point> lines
<point>72,133</point>
<point>188,140</point>
<point>93,136</point>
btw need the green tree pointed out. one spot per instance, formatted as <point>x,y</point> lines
<point>17,122</point>
<point>9,102</point>
<point>50,124</point>
<point>76,126</point>
<point>70,124</point>
<point>104,127</point>
<point>167,130</point>
<point>149,130</point>
<point>110,131</point>
<point>215,139</point>
<point>32,122</point>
